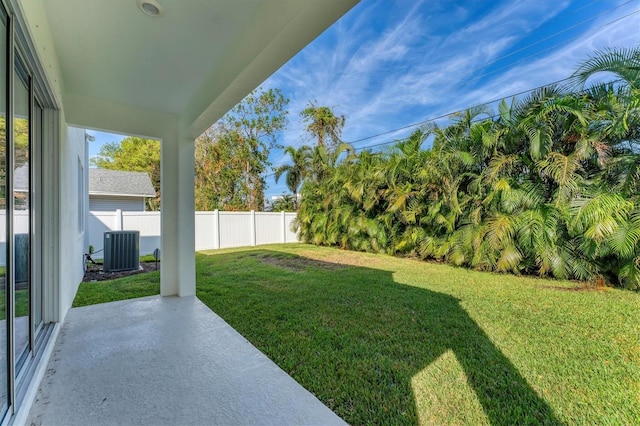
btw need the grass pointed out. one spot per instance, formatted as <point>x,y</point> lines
<point>148,258</point>
<point>21,303</point>
<point>131,287</point>
<point>394,341</point>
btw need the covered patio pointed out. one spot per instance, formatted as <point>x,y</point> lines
<point>168,75</point>
<point>159,69</point>
<point>165,360</point>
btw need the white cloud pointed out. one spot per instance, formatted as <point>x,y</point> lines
<point>560,64</point>
<point>385,65</point>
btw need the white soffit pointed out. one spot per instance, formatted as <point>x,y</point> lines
<point>195,61</point>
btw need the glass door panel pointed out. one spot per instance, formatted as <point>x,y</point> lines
<point>36,237</point>
<point>21,214</point>
<point>4,293</point>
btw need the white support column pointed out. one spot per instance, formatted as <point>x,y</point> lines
<point>283,223</point>
<point>178,266</point>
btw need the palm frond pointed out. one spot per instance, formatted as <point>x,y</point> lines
<point>623,62</point>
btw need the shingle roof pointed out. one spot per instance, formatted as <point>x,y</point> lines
<point>116,182</point>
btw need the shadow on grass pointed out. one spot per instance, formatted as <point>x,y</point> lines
<point>355,338</point>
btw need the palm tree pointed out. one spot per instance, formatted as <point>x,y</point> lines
<point>624,63</point>
<point>323,125</point>
<point>284,203</point>
<point>550,186</point>
<point>297,171</point>
<point>607,222</point>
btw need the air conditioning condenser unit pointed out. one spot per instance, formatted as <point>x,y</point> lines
<point>121,251</point>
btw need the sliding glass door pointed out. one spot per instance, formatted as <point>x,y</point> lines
<point>21,306</point>
<point>36,220</point>
<point>22,232</point>
<point>4,215</point>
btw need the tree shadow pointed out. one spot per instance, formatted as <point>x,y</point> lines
<point>355,337</point>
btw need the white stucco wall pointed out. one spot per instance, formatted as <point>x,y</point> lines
<point>72,240</point>
<point>71,148</point>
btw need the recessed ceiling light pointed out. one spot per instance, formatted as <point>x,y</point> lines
<point>150,7</point>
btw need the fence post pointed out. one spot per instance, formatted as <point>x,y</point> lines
<point>253,227</point>
<point>118,220</point>
<point>216,229</point>
<point>284,226</point>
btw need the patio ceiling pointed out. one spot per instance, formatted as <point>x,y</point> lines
<point>195,61</point>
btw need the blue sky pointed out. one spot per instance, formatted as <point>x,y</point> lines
<point>390,63</point>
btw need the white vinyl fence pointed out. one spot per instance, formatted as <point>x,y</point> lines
<point>20,226</point>
<point>214,230</point>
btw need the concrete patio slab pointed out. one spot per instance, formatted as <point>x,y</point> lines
<point>165,360</point>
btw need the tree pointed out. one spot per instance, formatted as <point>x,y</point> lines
<point>233,155</point>
<point>297,171</point>
<point>607,220</point>
<point>549,186</point>
<point>323,124</point>
<point>217,175</point>
<point>286,203</point>
<point>136,155</point>
<point>624,63</point>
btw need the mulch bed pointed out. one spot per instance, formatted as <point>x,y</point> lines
<point>95,273</point>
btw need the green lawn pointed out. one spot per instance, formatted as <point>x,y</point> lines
<point>138,285</point>
<point>382,340</point>
<point>21,303</point>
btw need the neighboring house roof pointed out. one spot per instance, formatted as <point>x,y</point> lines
<point>117,182</point>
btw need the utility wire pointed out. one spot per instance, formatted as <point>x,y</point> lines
<point>475,78</point>
<point>523,48</point>
<point>564,30</point>
<point>493,71</point>
<point>490,102</point>
<point>430,120</point>
<point>489,117</point>
<point>484,103</point>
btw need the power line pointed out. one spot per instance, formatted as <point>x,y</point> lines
<point>490,117</point>
<point>485,103</point>
<point>570,28</point>
<point>609,10</point>
<point>430,120</point>
<point>362,148</point>
<point>493,71</point>
<point>287,131</point>
<point>564,30</point>
<point>475,78</point>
